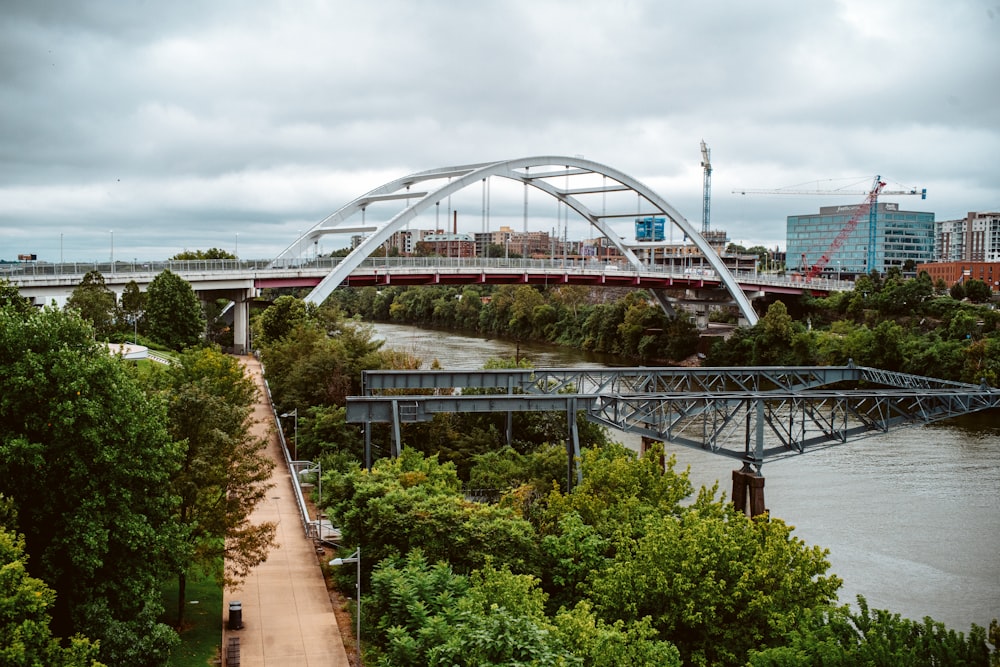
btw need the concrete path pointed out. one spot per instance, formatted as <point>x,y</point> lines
<point>288,618</point>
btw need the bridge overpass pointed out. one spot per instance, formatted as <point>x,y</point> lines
<point>240,281</point>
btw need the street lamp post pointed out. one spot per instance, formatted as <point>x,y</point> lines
<point>353,558</point>
<point>295,442</point>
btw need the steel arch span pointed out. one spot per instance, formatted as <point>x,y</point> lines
<point>543,173</point>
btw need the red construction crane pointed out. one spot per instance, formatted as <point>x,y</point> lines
<point>867,206</point>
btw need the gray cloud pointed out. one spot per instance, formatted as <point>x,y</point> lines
<point>180,125</point>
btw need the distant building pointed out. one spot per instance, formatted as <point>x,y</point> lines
<point>900,236</point>
<point>949,240</point>
<point>974,238</point>
<point>447,245</point>
<point>983,237</point>
<point>955,272</point>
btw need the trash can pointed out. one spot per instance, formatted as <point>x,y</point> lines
<point>235,615</point>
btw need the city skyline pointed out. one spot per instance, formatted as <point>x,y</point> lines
<point>158,128</point>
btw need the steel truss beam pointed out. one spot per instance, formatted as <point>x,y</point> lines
<point>752,414</point>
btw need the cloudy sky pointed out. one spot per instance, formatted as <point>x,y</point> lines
<point>164,126</point>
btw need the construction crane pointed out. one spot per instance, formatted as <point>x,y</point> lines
<point>706,163</point>
<point>869,205</point>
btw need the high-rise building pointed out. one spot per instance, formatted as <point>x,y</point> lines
<point>900,236</point>
<point>974,238</point>
<point>983,237</point>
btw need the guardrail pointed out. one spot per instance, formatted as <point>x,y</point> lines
<point>24,272</point>
<point>300,500</point>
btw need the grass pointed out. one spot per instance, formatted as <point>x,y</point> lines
<point>201,635</point>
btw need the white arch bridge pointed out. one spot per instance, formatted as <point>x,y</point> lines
<point>598,193</point>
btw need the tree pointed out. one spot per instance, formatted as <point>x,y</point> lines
<point>415,501</point>
<point>95,302</point>
<point>86,458</point>
<point>977,291</point>
<point>173,313</point>
<point>211,253</point>
<point>133,305</point>
<point>223,471</point>
<point>839,637</point>
<point>713,581</point>
<point>10,296</point>
<point>278,319</point>
<point>25,637</point>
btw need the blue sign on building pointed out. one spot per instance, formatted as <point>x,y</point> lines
<point>649,229</point>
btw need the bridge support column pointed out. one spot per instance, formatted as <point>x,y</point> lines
<point>241,321</point>
<point>747,483</point>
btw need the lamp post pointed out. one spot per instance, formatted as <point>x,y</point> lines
<point>295,442</point>
<point>353,558</point>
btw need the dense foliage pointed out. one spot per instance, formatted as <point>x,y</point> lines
<point>894,324</point>
<point>86,459</point>
<point>632,326</point>
<point>622,553</point>
<point>223,471</point>
<point>173,313</point>
<point>25,636</point>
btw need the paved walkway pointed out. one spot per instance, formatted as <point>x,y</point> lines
<point>288,618</point>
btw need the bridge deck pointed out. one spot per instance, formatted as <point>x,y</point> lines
<point>751,414</point>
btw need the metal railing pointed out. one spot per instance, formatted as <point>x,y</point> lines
<point>25,272</point>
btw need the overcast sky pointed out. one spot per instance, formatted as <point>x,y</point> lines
<point>164,126</point>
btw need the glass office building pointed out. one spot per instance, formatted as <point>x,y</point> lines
<point>899,236</point>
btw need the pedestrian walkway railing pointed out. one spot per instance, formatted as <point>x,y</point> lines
<point>300,500</point>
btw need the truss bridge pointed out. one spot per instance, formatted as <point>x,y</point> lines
<point>751,414</point>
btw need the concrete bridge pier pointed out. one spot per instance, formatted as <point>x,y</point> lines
<point>240,312</point>
<point>241,321</point>
<point>748,484</point>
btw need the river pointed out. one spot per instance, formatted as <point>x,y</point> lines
<point>911,517</point>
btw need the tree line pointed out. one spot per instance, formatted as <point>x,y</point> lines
<point>629,324</point>
<point>115,480</point>
<point>893,323</point>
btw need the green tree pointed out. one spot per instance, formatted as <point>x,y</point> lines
<point>839,637</point>
<point>223,472</point>
<point>713,581</point>
<point>278,319</point>
<point>173,313</point>
<point>10,296</point>
<point>600,644</point>
<point>95,302</point>
<point>320,363</point>
<point>86,457</point>
<point>133,306</point>
<point>415,501</point>
<point>25,637</point>
<point>428,615</point>
<point>977,291</point>
<point>211,253</point>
